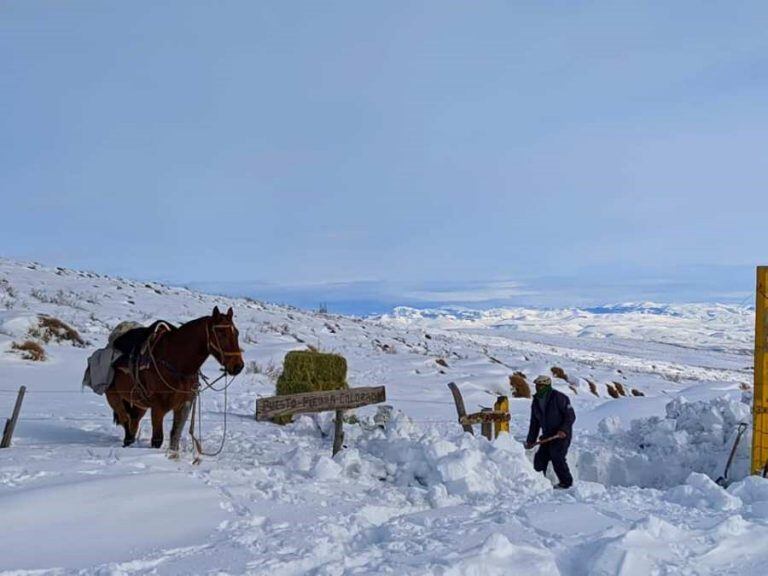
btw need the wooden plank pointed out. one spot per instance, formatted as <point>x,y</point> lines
<point>10,425</point>
<point>338,432</point>
<point>486,417</point>
<point>324,401</point>
<point>760,401</point>
<point>486,426</point>
<point>460,409</point>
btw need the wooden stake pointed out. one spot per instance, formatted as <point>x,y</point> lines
<point>502,405</point>
<point>486,428</point>
<point>462,411</point>
<point>10,424</point>
<point>760,397</point>
<point>338,432</point>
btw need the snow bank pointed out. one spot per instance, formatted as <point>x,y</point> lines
<point>662,452</point>
<point>461,466</point>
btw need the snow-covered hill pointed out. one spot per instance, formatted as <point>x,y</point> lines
<point>417,497</point>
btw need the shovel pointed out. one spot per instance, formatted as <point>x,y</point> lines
<point>541,441</point>
<point>723,480</point>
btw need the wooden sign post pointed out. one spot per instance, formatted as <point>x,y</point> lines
<point>324,401</point>
<point>760,401</point>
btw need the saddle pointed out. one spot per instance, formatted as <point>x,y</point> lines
<point>135,345</point>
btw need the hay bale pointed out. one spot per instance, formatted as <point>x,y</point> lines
<point>558,372</point>
<point>312,371</point>
<point>519,385</point>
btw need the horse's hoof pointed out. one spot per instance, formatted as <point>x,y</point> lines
<point>173,454</point>
<point>128,441</point>
<point>156,443</point>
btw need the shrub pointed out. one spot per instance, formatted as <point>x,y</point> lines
<point>620,388</point>
<point>29,350</point>
<point>636,392</point>
<point>558,372</point>
<point>52,329</point>
<point>592,387</point>
<point>612,392</point>
<point>520,387</point>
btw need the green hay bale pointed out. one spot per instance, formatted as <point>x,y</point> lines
<point>310,371</point>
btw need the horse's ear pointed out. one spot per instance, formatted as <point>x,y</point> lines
<point>216,312</point>
<point>229,313</point>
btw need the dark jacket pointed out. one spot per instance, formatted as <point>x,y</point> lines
<point>557,415</point>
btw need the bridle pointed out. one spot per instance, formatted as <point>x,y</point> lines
<point>214,344</point>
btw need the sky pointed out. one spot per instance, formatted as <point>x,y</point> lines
<point>459,151</point>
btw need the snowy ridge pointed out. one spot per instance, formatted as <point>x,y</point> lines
<point>712,326</point>
<point>414,496</point>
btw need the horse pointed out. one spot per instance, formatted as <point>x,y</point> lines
<point>171,380</point>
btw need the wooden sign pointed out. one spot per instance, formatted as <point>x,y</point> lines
<point>324,401</point>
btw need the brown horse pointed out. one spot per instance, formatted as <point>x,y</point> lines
<point>171,381</point>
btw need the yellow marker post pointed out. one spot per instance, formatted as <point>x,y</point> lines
<point>501,405</point>
<point>760,402</point>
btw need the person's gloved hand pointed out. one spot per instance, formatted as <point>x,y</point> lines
<point>560,434</point>
<point>529,445</point>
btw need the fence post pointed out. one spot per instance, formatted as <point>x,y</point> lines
<point>338,432</point>
<point>501,405</point>
<point>486,428</point>
<point>460,409</point>
<point>10,425</point>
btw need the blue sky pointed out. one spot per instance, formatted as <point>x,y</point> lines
<point>418,147</point>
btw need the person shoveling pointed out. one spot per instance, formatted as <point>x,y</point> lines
<point>553,416</point>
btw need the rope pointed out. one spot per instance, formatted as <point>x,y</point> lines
<point>197,407</point>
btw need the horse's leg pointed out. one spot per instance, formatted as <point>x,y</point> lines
<point>180,416</point>
<point>121,415</point>
<point>136,413</point>
<point>157,426</point>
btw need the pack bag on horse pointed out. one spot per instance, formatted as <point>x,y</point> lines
<point>161,371</point>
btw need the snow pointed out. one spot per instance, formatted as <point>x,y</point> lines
<point>410,493</point>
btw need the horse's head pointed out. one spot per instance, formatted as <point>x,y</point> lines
<point>222,341</point>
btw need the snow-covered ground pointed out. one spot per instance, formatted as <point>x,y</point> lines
<point>416,496</point>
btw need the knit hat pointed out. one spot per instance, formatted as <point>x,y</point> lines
<point>543,380</point>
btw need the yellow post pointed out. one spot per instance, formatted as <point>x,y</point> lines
<point>501,405</point>
<point>760,402</point>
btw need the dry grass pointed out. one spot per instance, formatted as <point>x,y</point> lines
<point>442,362</point>
<point>558,372</point>
<point>573,388</point>
<point>519,385</point>
<point>620,388</point>
<point>636,392</point>
<point>592,387</point>
<point>29,350</point>
<point>612,392</point>
<point>52,329</point>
